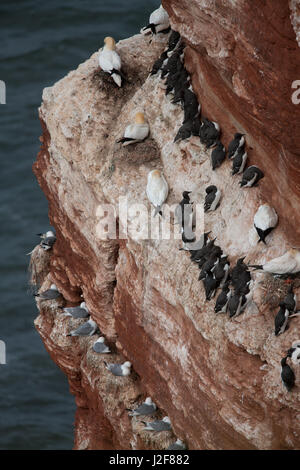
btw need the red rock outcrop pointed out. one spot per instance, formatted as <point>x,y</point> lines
<point>243,57</point>
<point>217,379</point>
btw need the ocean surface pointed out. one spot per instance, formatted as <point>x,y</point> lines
<point>40,43</point>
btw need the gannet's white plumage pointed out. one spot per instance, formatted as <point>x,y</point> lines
<point>109,60</point>
<point>265,220</point>
<point>136,132</point>
<point>157,189</point>
<point>289,263</point>
<point>158,21</point>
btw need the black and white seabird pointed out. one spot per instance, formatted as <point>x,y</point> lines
<point>100,347</point>
<point>119,369</point>
<point>237,303</point>
<point>222,299</point>
<point>185,131</point>
<point>49,294</point>
<point>159,63</point>
<point>212,198</point>
<point>210,285</point>
<point>209,133</point>
<point>136,132</point>
<point>240,276</point>
<point>237,143</point>
<point>86,329</point>
<point>184,211</point>
<point>221,270</point>
<point>157,190</point>
<point>190,105</point>
<point>265,220</point>
<point>251,176</point>
<point>158,22</point>
<point>287,375</point>
<point>294,353</point>
<point>48,240</point>
<point>208,266</point>
<point>239,161</point>
<point>110,62</point>
<point>158,426</point>
<point>173,64</point>
<point>173,40</point>
<point>147,408</point>
<point>281,320</point>
<point>203,252</point>
<point>290,301</point>
<point>285,265</point>
<point>218,155</point>
<point>176,81</point>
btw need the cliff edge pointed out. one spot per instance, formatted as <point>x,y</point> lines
<point>217,379</point>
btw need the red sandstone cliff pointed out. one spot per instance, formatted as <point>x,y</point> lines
<point>218,380</point>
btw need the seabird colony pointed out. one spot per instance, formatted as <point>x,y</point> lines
<point>213,264</point>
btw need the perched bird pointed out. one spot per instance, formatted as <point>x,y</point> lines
<point>178,445</point>
<point>184,211</point>
<point>86,329</point>
<point>222,299</point>
<point>265,220</point>
<point>203,252</point>
<point>285,265</point>
<point>239,161</point>
<point>119,369</point>
<point>294,353</point>
<point>159,63</point>
<point>48,240</point>
<point>49,294</point>
<point>173,64</point>
<point>236,144</point>
<point>190,105</point>
<point>290,301</point>
<point>158,426</point>
<point>77,312</point>
<point>110,62</point>
<point>218,155</point>
<point>157,190</point>
<point>237,303</point>
<point>136,132</point>
<point>212,198</point>
<point>281,319</point>
<point>209,133</point>
<point>173,40</point>
<point>100,347</point>
<point>287,375</point>
<point>208,266</point>
<point>221,270</point>
<point>145,409</point>
<point>158,22</point>
<point>210,286</point>
<point>251,176</point>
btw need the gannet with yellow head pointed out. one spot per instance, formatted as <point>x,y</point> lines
<point>287,264</point>
<point>157,190</point>
<point>136,132</point>
<point>109,60</point>
<point>158,22</point>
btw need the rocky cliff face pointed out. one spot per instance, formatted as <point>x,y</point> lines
<point>217,379</point>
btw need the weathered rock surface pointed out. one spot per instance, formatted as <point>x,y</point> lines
<point>217,379</point>
<point>243,57</point>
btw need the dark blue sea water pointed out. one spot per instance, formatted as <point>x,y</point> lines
<point>40,42</point>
